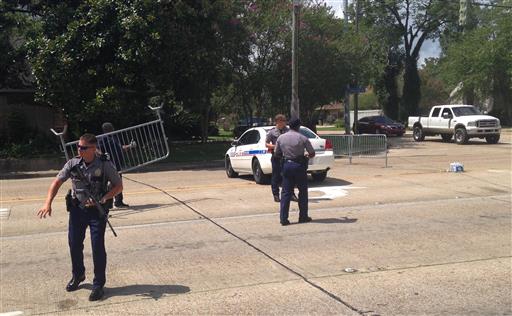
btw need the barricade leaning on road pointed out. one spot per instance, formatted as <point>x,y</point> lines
<point>143,144</point>
<point>368,146</point>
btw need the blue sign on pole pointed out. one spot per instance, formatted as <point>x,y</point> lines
<point>357,89</point>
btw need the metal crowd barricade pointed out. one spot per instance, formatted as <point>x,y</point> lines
<point>368,146</point>
<point>129,148</point>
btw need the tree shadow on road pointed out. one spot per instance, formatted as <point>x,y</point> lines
<point>146,290</point>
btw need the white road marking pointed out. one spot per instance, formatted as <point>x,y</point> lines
<point>4,213</point>
<point>499,171</point>
<point>16,313</point>
<point>330,193</point>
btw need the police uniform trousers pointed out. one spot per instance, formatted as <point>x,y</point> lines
<point>294,174</point>
<point>79,219</point>
<point>118,199</point>
<point>276,175</point>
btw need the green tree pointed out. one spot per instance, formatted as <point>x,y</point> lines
<point>434,91</point>
<point>95,59</point>
<point>481,59</point>
<point>388,56</point>
<point>386,84</point>
<point>15,25</point>
<point>324,69</point>
<point>101,59</point>
<point>416,21</point>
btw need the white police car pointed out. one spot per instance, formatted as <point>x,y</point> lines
<point>249,154</point>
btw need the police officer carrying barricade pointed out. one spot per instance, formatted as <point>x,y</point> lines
<point>270,143</point>
<point>90,176</point>
<point>112,146</point>
<point>290,147</point>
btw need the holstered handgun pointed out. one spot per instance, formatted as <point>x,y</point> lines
<point>69,201</point>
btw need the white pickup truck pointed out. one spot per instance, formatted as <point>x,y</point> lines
<point>463,121</point>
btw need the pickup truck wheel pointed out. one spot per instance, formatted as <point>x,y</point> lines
<point>319,176</point>
<point>446,137</point>
<point>493,139</point>
<point>258,174</point>
<point>229,170</point>
<point>461,136</point>
<point>417,134</point>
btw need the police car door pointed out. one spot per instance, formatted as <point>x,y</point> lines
<point>244,151</point>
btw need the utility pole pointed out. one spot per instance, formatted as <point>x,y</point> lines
<point>346,102</point>
<point>356,81</point>
<point>294,107</point>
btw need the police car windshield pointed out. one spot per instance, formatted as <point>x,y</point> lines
<point>307,133</point>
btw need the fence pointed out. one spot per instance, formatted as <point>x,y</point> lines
<point>368,146</point>
<point>129,148</point>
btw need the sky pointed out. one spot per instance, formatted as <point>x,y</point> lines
<point>428,49</point>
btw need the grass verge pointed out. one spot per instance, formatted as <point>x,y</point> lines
<point>194,152</point>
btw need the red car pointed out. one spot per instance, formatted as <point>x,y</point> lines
<point>380,124</point>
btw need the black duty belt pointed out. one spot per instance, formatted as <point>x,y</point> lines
<point>76,202</point>
<point>300,160</point>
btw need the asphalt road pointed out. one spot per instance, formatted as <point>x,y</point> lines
<point>404,240</point>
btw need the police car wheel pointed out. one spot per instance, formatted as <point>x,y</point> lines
<point>229,169</point>
<point>319,176</point>
<point>258,174</point>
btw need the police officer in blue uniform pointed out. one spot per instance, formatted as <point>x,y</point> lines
<point>270,143</point>
<point>291,148</point>
<point>100,172</point>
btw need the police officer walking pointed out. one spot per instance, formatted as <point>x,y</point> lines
<point>82,213</point>
<point>111,145</point>
<point>270,143</point>
<point>290,147</point>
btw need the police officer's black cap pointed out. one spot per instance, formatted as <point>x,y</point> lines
<point>295,123</point>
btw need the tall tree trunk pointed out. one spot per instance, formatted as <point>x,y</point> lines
<point>205,118</point>
<point>391,103</point>
<point>502,94</point>
<point>411,92</point>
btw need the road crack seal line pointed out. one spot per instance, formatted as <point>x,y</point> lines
<point>311,283</point>
<point>405,268</point>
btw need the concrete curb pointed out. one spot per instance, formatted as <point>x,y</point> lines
<point>166,166</point>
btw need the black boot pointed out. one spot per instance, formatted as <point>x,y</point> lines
<point>96,294</point>
<point>306,219</point>
<point>74,283</point>
<point>118,201</point>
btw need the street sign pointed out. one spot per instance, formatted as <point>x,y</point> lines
<point>357,89</point>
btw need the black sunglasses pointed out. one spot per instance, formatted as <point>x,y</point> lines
<point>80,147</point>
